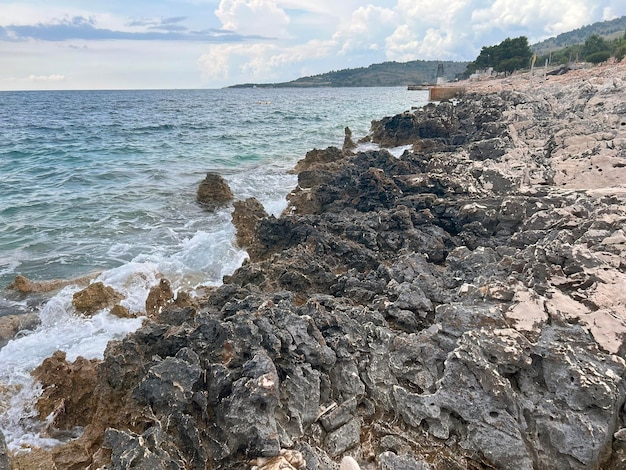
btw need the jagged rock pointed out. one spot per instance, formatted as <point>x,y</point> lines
<point>121,311</point>
<point>246,217</point>
<point>453,306</point>
<point>5,463</point>
<point>148,451</point>
<point>348,143</point>
<point>10,325</point>
<point>391,461</point>
<point>316,158</point>
<point>213,191</point>
<point>68,399</point>
<point>159,297</point>
<point>95,297</point>
<point>342,439</point>
<point>24,285</point>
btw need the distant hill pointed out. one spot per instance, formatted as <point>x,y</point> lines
<point>609,29</point>
<point>415,72</point>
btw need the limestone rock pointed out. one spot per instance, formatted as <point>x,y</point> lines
<point>459,305</point>
<point>213,191</point>
<point>158,297</point>
<point>348,143</point>
<point>246,217</point>
<point>68,398</point>
<point>95,297</point>
<point>4,454</point>
<point>24,285</point>
<point>10,325</point>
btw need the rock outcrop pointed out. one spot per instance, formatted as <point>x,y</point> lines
<point>461,306</point>
<point>213,191</point>
<point>95,297</point>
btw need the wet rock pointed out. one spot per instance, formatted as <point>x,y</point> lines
<point>121,311</point>
<point>348,143</point>
<point>24,285</point>
<point>159,297</point>
<point>213,191</point>
<point>10,325</point>
<point>95,297</point>
<point>68,399</point>
<point>246,217</point>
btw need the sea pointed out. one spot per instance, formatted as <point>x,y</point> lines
<point>103,184</point>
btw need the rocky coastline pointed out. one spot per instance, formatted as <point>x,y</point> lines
<point>462,306</point>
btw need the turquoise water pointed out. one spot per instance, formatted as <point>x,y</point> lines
<point>90,180</point>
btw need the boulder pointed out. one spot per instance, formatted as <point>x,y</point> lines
<point>95,297</point>
<point>245,218</point>
<point>68,398</point>
<point>159,296</point>
<point>213,191</point>
<point>10,325</point>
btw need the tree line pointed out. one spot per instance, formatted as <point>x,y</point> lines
<point>515,54</point>
<point>595,49</point>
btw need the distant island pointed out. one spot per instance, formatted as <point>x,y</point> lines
<point>416,72</point>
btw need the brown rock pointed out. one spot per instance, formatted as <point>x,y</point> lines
<point>68,391</point>
<point>95,297</point>
<point>348,143</point>
<point>158,297</point>
<point>121,312</point>
<point>213,191</point>
<point>246,217</point>
<point>10,325</point>
<point>24,285</point>
<point>316,158</point>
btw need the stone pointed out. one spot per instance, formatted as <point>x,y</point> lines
<point>24,285</point>
<point>68,398</point>
<point>159,297</point>
<point>10,325</point>
<point>390,461</point>
<point>95,297</point>
<point>342,439</point>
<point>245,218</point>
<point>348,143</point>
<point>5,463</point>
<point>213,192</point>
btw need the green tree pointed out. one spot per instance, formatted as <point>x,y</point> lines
<point>594,44</point>
<point>508,56</point>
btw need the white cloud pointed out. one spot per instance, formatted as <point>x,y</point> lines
<point>539,17</point>
<point>366,29</point>
<point>253,17</point>
<point>257,62</point>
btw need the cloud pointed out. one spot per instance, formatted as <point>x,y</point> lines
<point>253,17</point>
<point>38,78</point>
<point>84,28</point>
<point>366,29</point>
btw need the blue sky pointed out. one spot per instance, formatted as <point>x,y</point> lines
<point>113,44</point>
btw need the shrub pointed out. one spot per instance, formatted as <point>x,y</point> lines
<point>598,57</point>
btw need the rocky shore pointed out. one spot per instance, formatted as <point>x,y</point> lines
<point>462,306</point>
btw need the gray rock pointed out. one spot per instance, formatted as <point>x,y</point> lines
<point>391,461</point>
<point>342,439</point>
<point>5,463</point>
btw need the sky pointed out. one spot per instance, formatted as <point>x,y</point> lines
<point>147,44</point>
